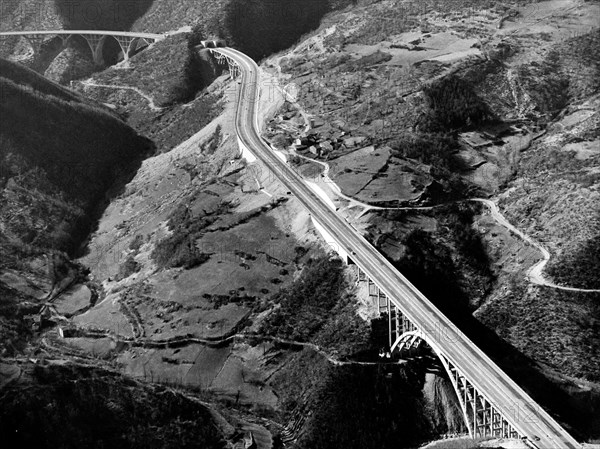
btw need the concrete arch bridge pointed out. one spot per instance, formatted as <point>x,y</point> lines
<point>129,42</point>
<point>483,414</point>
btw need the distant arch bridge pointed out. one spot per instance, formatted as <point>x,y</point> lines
<point>128,41</point>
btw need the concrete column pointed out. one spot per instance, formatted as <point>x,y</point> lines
<point>397,317</point>
<point>474,403</point>
<point>65,38</point>
<point>36,41</point>
<point>126,42</point>
<point>389,311</point>
<point>96,43</point>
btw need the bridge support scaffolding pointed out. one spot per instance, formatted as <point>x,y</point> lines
<point>130,44</point>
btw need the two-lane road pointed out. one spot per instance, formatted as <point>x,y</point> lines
<point>518,408</point>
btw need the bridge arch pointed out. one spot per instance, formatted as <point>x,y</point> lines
<point>482,417</point>
<point>128,45</point>
<point>128,42</point>
<point>223,59</point>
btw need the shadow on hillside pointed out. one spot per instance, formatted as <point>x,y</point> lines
<point>556,397</point>
<point>261,28</point>
<point>452,277</point>
<point>101,14</point>
<point>75,152</point>
<point>578,267</point>
<point>115,187</point>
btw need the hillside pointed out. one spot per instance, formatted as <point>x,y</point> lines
<point>258,28</point>
<point>73,167</point>
<point>202,245</point>
<point>170,259</point>
<point>423,105</point>
<point>56,176</point>
<point>97,408</point>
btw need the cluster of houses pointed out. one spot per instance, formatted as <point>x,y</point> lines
<point>322,143</point>
<point>321,139</point>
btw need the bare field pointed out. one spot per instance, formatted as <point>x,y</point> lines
<point>192,365</point>
<point>106,315</point>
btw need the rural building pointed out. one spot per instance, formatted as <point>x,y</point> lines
<point>474,139</point>
<point>351,142</point>
<point>326,146</point>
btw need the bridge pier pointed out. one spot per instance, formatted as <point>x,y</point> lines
<point>130,44</point>
<point>361,274</point>
<point>36,41</point>
<point>96,43</point>
<point>65,38</point>
<point>232,66</point>
<point>126,44</point>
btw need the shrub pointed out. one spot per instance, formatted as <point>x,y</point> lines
<point>179,249</point>
<point>137,242</point>
<point>129,267</point>
<point>433,149</point>
<point>453,104</point>
<point>306,304</point>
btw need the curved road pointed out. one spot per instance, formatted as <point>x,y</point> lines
<point>535,273</point>
<point>516,406</point>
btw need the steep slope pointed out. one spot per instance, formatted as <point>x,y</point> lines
<point>60,156</point>
<point>71,144</point>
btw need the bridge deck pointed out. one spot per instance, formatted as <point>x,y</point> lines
<point>84,33</point>
<point>525,414</point>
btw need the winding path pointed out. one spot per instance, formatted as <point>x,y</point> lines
<point>534,274</point>
<point>188,340</point>
<point>149,99</point>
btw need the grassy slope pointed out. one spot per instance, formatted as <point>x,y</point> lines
<point>555,199</point>
<point>18,15</point>
<point>101,14</point>
<point>169,72</point>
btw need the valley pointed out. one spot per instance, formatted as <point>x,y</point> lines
<point>164,260</point>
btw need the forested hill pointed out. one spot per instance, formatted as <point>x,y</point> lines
<point>60,155</point>
<point>59,145</point>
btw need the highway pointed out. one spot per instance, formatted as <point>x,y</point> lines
<point>527,417</point>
